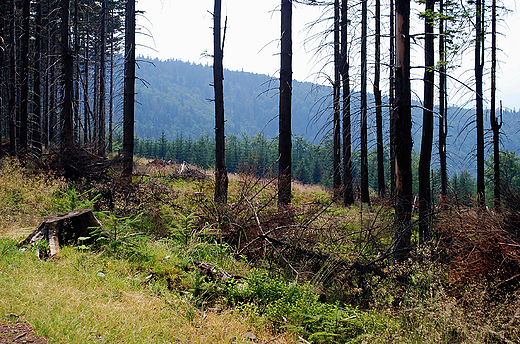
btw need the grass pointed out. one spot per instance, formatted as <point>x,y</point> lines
<point>84,297</point>
<point>147,287</point>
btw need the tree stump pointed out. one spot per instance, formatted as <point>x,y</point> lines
<point>62,229</point>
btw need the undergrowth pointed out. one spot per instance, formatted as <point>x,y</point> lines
<point>169,264</point>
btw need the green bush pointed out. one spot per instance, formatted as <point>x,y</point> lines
<point>298,308</point>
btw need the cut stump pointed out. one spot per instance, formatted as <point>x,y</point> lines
<point>62,229</point>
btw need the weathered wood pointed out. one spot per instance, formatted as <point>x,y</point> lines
<point>62,228</point>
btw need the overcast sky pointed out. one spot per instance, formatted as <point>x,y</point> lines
<point>183,30</point>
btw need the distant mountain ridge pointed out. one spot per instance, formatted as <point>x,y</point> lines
<point>176,101</point>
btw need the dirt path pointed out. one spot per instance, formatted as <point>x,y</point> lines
<point>18,332</point>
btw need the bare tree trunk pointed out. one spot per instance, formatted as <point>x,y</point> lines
<point>403,134</point>
<point>76,125</point>
<point>67,134</point>
<point>86,107</point>
<point>495,123</point>
<point>102,81</point>
<point>365,197</point>
<point>285,141</point>
<point>24,99</point>
<point>129,91</point>
<point>348,190</point>
<point>479,68</point>
<point>3,86</point>
<point>427,133</point>
<point>36,122</point>
<point>52,114</point>
<point>221,177</point>
<point>95,103</point>
<point>336,104</point>
<point>111,101</point>
<point>379,115</point>
<point>391,99</point>
<point>13,83</point>
<point>443,114</point>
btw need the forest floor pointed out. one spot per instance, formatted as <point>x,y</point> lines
<point>169,265</point>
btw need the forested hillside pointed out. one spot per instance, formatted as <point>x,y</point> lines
<point>175,99</point>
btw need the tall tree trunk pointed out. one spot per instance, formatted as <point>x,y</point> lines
<point>336,105</point>
<point>479,68</point>
<point>24,99</point>
<point>76,123</point>
<point>36,121</point>
<point>86,107</point>
<point>111,100</point>
<point>51,96</point>
<point>129,91</point>
<point>348,189</point>
<point>102,81</point>
<point>95,105</point>
<point>221,177</point>
<point>365,197</point>
<point>13,82</point>
<point>285,141</point>
<point>427,133</point>
<point>3,86</point>
<point>495,123</point>
<point>379,115</point>
<point>403,134</point>
<point>67,133</point>
<point>443,113</point>
<point>391,99</point>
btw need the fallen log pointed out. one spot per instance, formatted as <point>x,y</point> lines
<point>62,229</point>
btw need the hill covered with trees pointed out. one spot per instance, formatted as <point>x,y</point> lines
<point>175,99</point>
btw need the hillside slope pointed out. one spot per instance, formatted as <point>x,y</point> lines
<point>176,100</point>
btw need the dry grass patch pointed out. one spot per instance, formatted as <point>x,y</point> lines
<point>25,197</point>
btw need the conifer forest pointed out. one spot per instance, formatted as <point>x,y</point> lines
<point>370,205</point>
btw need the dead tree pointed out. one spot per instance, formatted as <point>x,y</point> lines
<point>285,140</point>
<point>221,176</point>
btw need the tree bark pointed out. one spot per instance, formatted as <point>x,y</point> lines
<point>36,122</point>
<point>67,114</point>
<point>111,100</point>
<point>129,89</point>
<point>86,106</point>
<point>336,105</point>
<point>285,141</point>
<point>3,12</point>
<point>377,95</point>
<point>391,99</point>
<point>479,68</point>
<point>12,82</point>
<point>495,123</point>
<point>24,99</point>
<point>443,114</point>
<point>403,135</point>
<point>102,81</point>
<point>221,177</point>
<point>427,130</point>
<point>348,190</point>
<point>365,196</point>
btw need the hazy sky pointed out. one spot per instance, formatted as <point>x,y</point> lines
<point>183,30</point>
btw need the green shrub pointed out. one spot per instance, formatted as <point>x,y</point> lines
<point>298,308</point>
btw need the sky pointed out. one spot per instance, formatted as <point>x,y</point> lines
<point>182,30</point>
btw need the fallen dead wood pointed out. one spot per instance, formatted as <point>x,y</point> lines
<point>323,257</point>
<point>62,229</point>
